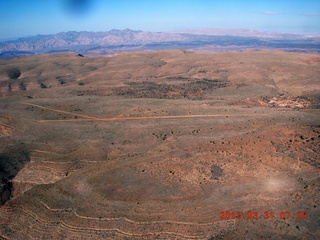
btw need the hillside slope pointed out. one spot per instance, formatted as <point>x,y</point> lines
<point>160,145</point>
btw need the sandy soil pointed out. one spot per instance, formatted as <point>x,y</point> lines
<point>201,146</point>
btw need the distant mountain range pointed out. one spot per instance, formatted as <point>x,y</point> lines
<point>216,40</point>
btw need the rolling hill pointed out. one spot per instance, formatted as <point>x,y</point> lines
<point>160,145</point>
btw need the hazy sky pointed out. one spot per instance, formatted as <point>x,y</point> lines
<point>31,17</point>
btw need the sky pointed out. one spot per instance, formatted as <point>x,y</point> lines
<point>19,18</point>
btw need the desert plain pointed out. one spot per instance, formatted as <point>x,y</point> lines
<point>160,145</point>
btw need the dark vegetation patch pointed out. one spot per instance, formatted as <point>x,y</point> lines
<point>14,73</point>
<point>158,64</point>
<point>42,85</point>
<point>162,135</point>
<point>315,106</point>
<point>65,79</point>
<point>193,90</point>
<point>216,171</point>
<point>22,86</point>
<point>315,101</point>
<point>12,161</point>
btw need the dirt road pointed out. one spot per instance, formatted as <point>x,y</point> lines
<point>92,118</point>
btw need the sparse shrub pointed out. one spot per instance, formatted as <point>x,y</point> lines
<point>23,86</point>
<point>14,73</point>
<point>61,81</point>
<point>42,85</point>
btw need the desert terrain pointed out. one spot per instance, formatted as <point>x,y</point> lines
<point>160,145</point>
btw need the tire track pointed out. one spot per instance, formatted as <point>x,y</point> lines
<point>60,111</point>
<point>92,118</point>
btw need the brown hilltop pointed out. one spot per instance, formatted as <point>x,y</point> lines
<point>269,71</point>
<point>149,145</point>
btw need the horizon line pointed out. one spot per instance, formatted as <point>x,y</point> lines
<point>168,31</point>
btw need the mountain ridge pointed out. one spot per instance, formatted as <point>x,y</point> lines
<point>100,43</point>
